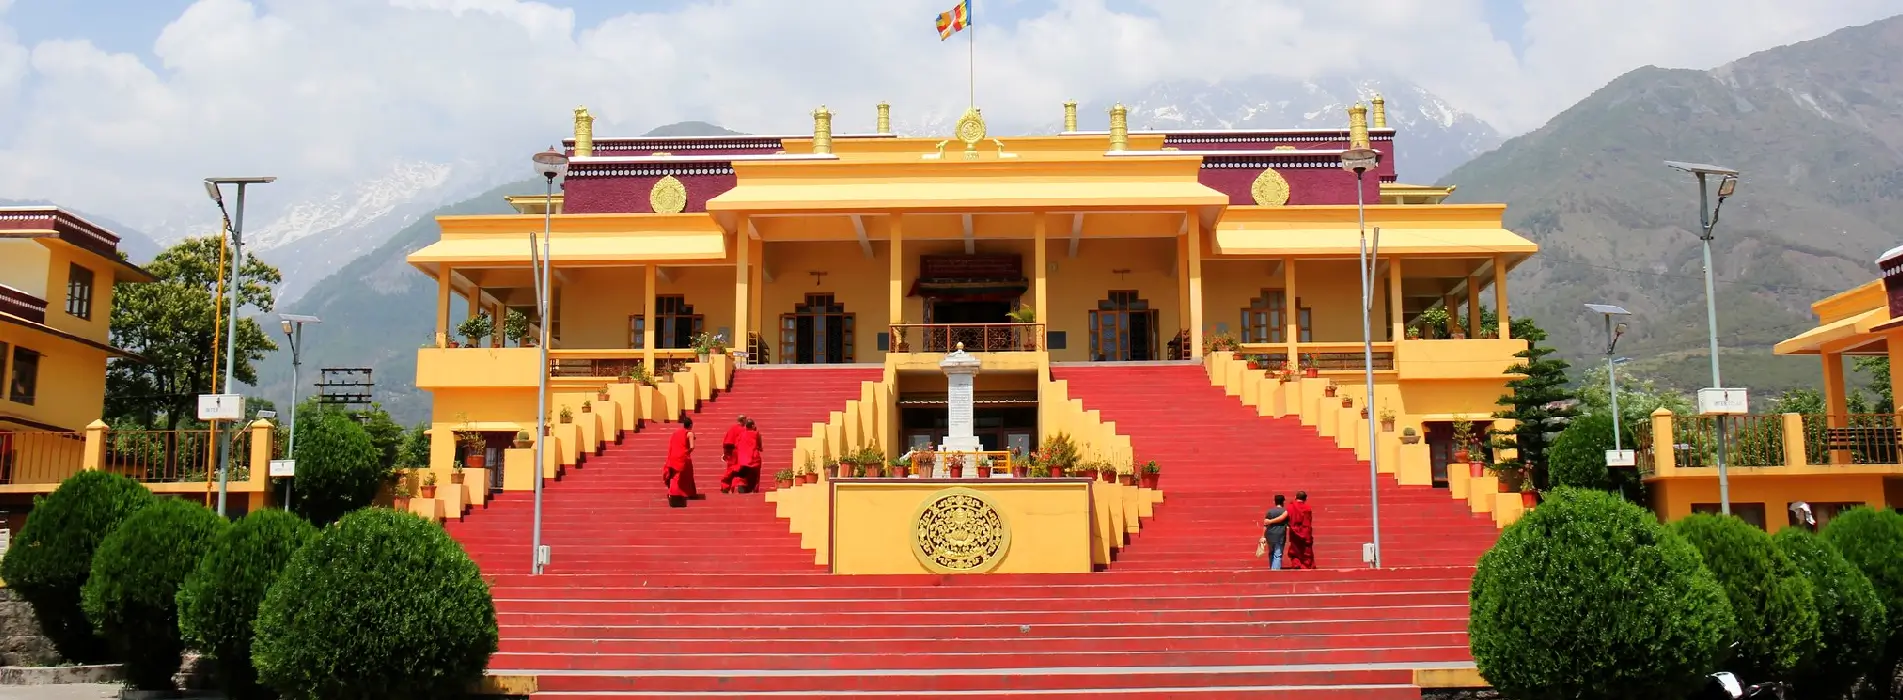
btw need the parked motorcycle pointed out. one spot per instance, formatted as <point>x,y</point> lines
<point>1725,686</point>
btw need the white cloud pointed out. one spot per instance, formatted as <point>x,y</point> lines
<point>331,92</point>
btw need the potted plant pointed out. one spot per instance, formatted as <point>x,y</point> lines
<point>1219,342</point>
<point>1039,471</point>
<point>1349,402</point>
<point>1329,388</point>
<point>1458,333</point>
<point>567,416</point>
<point>1410,437</point>
<point>872,461</point>
<point>515,326</point>
<point>475,328</point>
<point>955,466</point>
<point>429,484</point>
<point>1151,473</point>
<point>1387,419</point>
<point>708,344</point>
<point>1020,468</point>
<point>922,463</point>
<point>1287,374</point>
<point>474,446</point>
<point>1528,496</point>
<point>603,395</point>
<point>1413,332</point>
<point>1309,369</point>
<point>1254,363</point>
<point>1105,471</point>
<point>400,496</point>
<point>586,407</point>
<point>523,440</point>
<point>807,471</point>
<point>456,473</point>
<point>984,466</point>
<point>1126,474</point>
<point>626,376</point>
<point>783,479</point>
<point>1463,436</point>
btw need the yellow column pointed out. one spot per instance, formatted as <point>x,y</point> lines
<point>742,284</point>
<point>1500,297</point>
<point>895,275</point>
<point>1291,312</point>
<point>1836,400</point>
<point>1473,307</point>
<point>442,307</point>
<point>1196,290</point>
<point>756,281</point>
<point>1397,316</point>
<point>1895,341</point>
<point>1182,289</point>
<point>647,322</point>
<point>1040,295</point>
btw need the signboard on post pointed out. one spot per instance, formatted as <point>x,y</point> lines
<point>1723,402</point>
<point>283,468</point>
<point>1622,458</point>
<point>229,407</point>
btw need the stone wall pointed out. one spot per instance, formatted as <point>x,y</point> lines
<point>21,643</point>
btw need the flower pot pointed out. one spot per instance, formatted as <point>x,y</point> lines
<point>400,503</point>
<point>1460,455</point>
<point>1255,365</point>
<point>1057,471</point>
<point>1508,488</point>
<point>1020,472</point>
<point>474,461</point>
<point>455,343</point>
<point>703,358</point>
<point>1476,469</point>
<point>1410,439</point>
<point>834,470</point>
<point>586,409</point>
<point>1529,498</point>
<point>1127,479</point>
<point>1347,402</point>
<point>567,419</point>
<point>603,396</point>
<point>428,491</point>
<point>624,379</point>
<point>957,471</point>
<point>1387,426</point>
<point>1311,373</point>
<point>524,444</point>
<point>808,478</point>
<point>457,477</point>
<point>1107,476</point>
<point>783,483</point>
<point>1149,480</point>
<point>1328,390</point>
<point>874,472</point>
<point>984,472</point>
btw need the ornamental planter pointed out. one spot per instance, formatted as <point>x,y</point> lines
<point>1127,479</point>
<point>1328,390</point>
<point>1476,469</point>
<point>832,471</point>
<point>623,379</point>
<point>1529,499</point>
<point>1107,476</point>
<point>429,491</point>
<point>401,504</point>
<point>1057,471</point>
<point>1508,488</point>
<point>783,483</point>
<point>1387,426</point>
<point>1311,373</point>
<point>808,478</point>
<point>1407,439</point>
<point>586,408</point>
<point>1020,472</point>
<point>1255,365</point>
<point>1347,402</point>
<point>474,461</point>
<point>957,471</point>
<point>984,472</point>
<point>1149,480</point>
<point>874,471</point>
<point>456,477</point>
<point>1460,455</point>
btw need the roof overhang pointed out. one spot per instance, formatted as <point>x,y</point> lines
<point>1841,335</point>
<point>68,337</point>
<point>1447,231</point>
<point>576,240</point>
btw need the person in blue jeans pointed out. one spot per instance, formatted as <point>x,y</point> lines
<point>1275,532</point>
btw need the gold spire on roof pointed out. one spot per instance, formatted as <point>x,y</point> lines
<point>1380,112</point>
<point>584,133</point>
<point>1357,126</point>
<point>1119,128</point>
<point>885,118</point>
<point>822,130</point>
<point>1070,116</point>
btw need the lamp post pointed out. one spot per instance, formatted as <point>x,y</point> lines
<point>550,164</point>
<point>212,185</point>
<point>293,325</point>
<point>1707,220</point>
<point>1359,158</point>
<point>1613,333</point>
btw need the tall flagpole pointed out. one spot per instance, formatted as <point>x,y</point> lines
<point>971,70</point>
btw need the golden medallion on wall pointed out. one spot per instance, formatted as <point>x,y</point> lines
<point>1269,190</point>
<point>1284,147</point>
<point>669,196</point>
<point>960,531</point>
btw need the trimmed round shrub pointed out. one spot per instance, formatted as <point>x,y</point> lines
<point>1774,615</point>
<point>51,557</point>
<point>1577,456</point>
<point>132,597</point>
<point>220,600</point>
<point>381,604</point>
<point>337,466</point>
<point>1872,541</point>
<point>1588,596</point>
<point>1851,621</point>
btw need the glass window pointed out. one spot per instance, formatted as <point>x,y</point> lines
<point>26,376</point>
<point>79,292</point>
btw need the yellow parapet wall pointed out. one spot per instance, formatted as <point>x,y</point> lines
<point>931,526</point>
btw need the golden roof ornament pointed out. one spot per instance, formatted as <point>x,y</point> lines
<point>970,131</point>
<point>584,133</point>
<point>1357,127</point>
<point>1070,116</point>
<point>1119,128</point>
<point>668,196</point>
<point>885,118</point>
<point>1270,189</point>
<point>1380,112</point>
<point>822,130</point>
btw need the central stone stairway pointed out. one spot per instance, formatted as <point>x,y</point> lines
<point>718,599</point>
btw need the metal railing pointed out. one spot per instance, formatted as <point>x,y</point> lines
<point>612,363</point>
<point>976,337</point>
<point>1864,438</point>
<point>1326,357</point>
<point>1761,440</point>
<point>997,461</point>
<point>175,456</point>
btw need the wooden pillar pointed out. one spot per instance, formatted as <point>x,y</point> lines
<point>742,284</point>
<point>1196,289</point>
<point>895,273</point>
<point>1040,293</point>
<point>1292,312</point>
<point>647,323</point>
<point>1397,316</point>
<point>1500,297</point>
<point>442,306</point>
<point>1473,307</point>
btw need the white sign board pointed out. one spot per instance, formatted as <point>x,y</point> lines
<point>1621,458</point>
<point>283,467</point>
<point>1723,402</point>
<point>220,407</point>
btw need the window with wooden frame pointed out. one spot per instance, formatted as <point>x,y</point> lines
<point>675,324</point>
<point>1265,320</point>
<point>79,292</point>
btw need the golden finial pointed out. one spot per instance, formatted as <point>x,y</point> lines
<point>822,130</point>
<point>885,118</point>
<point>1380,112</point>
<point>1357,127</point>
<point>584,133</point>
<point>1119,128</point>
<point>1070,116</point>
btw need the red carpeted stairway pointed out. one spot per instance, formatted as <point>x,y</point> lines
<point>1223,465</point>
<point>718,599</point>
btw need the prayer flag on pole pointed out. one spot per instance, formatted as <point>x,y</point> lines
<point>954,20</point>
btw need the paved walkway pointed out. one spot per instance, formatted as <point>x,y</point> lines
<point>88,691</point>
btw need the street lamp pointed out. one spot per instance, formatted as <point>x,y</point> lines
<point>549,164</point>
<point>212,185</point>
<point>1707,220</point>
<point>1613,333</point>
<point>1359,158</point>
<point>293,325</point>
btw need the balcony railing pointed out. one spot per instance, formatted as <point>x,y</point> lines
<point>1771,440</point>
<point>1327,357</point>
<point>33,457</point>
<point>612,363</point>
<point>174,456</point>
<point>976,337</point>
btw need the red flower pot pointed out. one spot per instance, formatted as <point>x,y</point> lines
<point>1460,455</point>
<point>1529,498</point>
<point>1107,476</point>
<point>984,472</point>
<point>1347,402</point>
<point>456,477</point>
<point>1476,469</point>
<point>1127,479</point>
<point>875,472</point>
<point>1057,471</point>
<point>1328,390</point>
<point>1149,480</point>
<point>1020,472</point>
<point>957,471</point>
<point>474,461</point>
<point>402,504</point>
<point>1255,365</point>
<point>1311,373</point>
<point>429,491</point>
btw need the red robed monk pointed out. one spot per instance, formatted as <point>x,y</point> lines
<point>679,472</point>
<point>729,453</point>
<point>1301,534</point>
<point>747,453</point>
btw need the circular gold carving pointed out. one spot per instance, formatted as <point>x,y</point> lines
<point>1285,147</point>
<point>669,196</point>
<point>1269,189</point>
<point>960,531</point>
<point>971,127</point>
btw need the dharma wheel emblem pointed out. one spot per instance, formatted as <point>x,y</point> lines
<point>960,531</point>
<point>1269,189</point>
<point>669,196</point>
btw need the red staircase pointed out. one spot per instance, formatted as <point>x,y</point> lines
<point>1223,465</point>
<point>718,600</point>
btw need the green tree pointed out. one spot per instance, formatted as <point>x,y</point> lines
<point>1537,403</point>
<point>1851,621</point>
<point>174,324</point>
<point>414,453</point>
<point>51,559</point>
<point>1772,606</point>
<point>337,467</point>
<point>219,601</point>
<point>385,434</point>
<point>1879,370</point>
<point>132,596</point>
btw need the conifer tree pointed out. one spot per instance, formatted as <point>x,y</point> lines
<point>1537,402</point>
